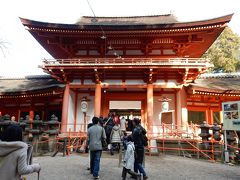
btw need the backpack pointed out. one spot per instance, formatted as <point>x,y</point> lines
<point>144,139</point>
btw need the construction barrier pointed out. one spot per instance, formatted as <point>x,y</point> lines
<point>158,141</point>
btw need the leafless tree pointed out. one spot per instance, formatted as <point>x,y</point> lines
<point>3,47</point>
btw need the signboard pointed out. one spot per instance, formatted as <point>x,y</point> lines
<point>231,112</point>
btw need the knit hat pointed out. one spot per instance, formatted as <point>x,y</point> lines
<point>12,133</point>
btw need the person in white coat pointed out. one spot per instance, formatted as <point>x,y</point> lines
<point>128,160</point>
<point>13,155</point>
<point>123,124</point>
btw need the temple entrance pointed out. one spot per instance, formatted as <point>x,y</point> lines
<point>127,109</point>
<point>127,113</point>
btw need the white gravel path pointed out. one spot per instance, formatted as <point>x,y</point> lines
<point>164,167</point>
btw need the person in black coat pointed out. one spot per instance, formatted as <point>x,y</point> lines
<point>137,136</point>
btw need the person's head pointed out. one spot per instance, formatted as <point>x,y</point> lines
<point>136,121</point>
<point>123,118</point>
<point>13,133</point>
<point>101,121</point>
<point>124,133</point>
<point>129,138</point>
<point>95,120</point>
<point>13,118</point>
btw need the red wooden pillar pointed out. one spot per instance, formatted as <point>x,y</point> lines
<point>182,113</point>
<point>97,102</point>
<point>75,111</point>
<point>209,115</point>
<point>105,105</point>
<point>143,119</point>
<point>19,114</point>
<point>150,107</point>
<point>65,109</point>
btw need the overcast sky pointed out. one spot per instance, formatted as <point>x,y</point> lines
<point>24,54</point>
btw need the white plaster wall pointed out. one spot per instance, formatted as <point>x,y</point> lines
<point>113,82</point>
<point>157,107</point>
<point>90,111</point>
<point>134,82</point>
<point>76,81</point>
<point>88,81</point>
<point>134,52</point>
<point>71,111</point>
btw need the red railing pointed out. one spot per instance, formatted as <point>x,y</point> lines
<point>127,62</point>
<point>164,132</point>
<point>186,134</point>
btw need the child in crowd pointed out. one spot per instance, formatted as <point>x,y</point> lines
<point>128,160</point>
<point>124,140</point>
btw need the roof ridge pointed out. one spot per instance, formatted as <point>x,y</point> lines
<point>141,16</point>
<point>219,75</point>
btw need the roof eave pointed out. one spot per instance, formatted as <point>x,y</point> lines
<point>38,24</point>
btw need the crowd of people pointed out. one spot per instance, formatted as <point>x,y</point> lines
<point>113,130</point>
<point>15,159</point>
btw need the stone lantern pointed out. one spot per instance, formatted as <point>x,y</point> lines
<point>53,131</point>
<point>205,133</point>
<point>216,132</point>
<point>36,130</point>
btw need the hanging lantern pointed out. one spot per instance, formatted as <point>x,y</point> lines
<point>165,106</point>
<point>165,103</point>
<point>84,104</point>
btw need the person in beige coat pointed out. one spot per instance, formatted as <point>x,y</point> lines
<point>13,155</point>
<point>115,138</point>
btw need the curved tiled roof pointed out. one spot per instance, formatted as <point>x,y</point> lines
<point>220,75</point>
<point>132,20</point>
<point>222,83</point>
<point>148,22</point>
<point>27,84</point>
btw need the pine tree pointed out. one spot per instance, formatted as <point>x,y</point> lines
<point>224,54</point>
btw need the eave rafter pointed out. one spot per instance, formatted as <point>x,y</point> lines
<point>97,77</point>
<point>150,76</point>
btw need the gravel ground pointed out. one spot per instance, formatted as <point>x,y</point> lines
<point>164,167</point>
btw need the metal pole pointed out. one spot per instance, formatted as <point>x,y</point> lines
<point>226,153</point>
<point>85,122</point>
